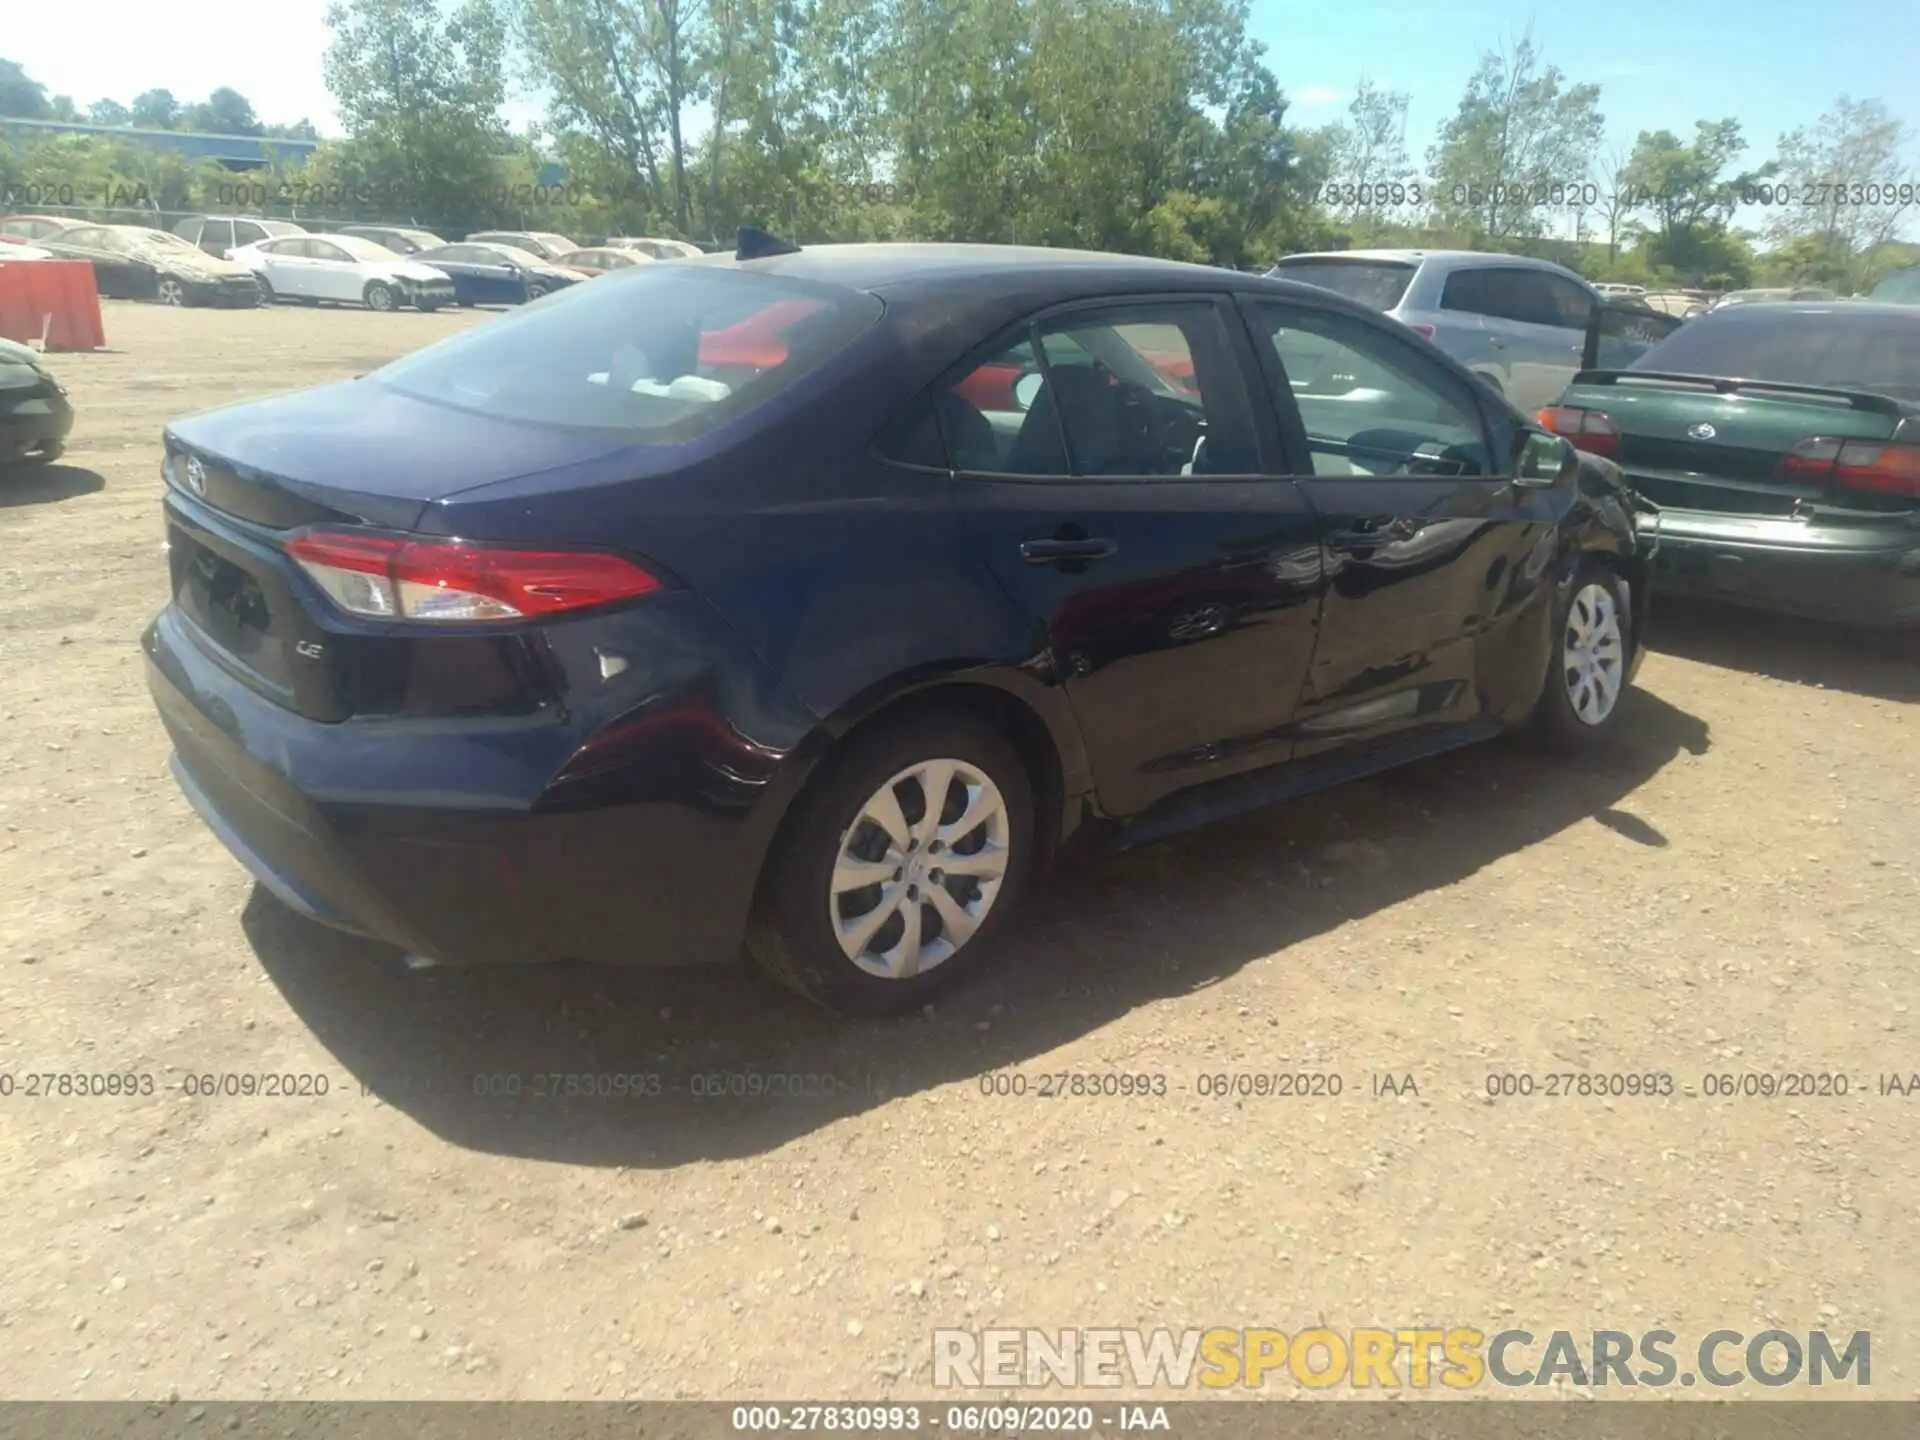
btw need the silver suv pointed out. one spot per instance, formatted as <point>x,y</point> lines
<point>1519,323</point>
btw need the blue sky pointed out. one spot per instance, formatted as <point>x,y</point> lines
<point>1660,63</point>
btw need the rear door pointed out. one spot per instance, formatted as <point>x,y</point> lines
<point>335,275</point>
<point>289,272</point>
<point>1536,324</point>
<point>117,272</point>
<point>1435,558</point>
<point>1171,584</point>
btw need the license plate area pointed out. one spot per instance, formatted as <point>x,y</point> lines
<point>229,605</point>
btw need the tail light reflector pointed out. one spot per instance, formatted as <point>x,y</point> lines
<point>1590,430</point>
<point>387,577</point>
<point>1874,467</point>
<point>1425,332</point>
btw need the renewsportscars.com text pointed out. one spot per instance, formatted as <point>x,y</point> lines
<point>1418,1358</point>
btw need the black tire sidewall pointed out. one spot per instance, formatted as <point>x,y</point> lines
<point>379,287</point>
<point>792,938</point>
<point>1558,722</point>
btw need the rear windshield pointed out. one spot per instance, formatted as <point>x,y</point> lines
<point>1842,348</point>
<point>660,355</point>
<point>1379,283</point>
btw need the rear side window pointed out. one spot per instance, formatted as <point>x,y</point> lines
<point>1843,349</point>
<point>1504,294</point>
<point>662,357</point>
<point>188,230</point>
<point>1380,284</point>
<point>218,235</point>
<point>245,232</point>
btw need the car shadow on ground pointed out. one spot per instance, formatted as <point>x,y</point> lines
<point>47,484</point>
<point>1134,928</point>
<point>1878,664</point>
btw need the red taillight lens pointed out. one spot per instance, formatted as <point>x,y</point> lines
<point>1425,332</point>
<point>443,582</point>
<point>1872,467</point>
<point>1590,430</point>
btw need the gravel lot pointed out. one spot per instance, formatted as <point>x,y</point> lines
<point>1731,888</point>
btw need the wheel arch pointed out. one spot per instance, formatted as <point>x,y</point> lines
<point>1035,717</point>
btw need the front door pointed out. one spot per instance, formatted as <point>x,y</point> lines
<point>1438,582</point>
<point>1109,475</point>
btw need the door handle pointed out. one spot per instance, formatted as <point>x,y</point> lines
<point>1047,552</point>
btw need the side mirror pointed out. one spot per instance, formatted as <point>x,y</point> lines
<point>1543,459</point>
<point>1026,389</point>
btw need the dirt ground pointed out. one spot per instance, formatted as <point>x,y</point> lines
<point>1731,888</point>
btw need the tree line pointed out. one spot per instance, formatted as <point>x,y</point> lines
<point>1149,126</point>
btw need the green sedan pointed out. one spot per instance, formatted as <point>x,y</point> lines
<point>1782,444</point>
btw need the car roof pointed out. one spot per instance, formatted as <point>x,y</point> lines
<point>1452,259</point>
<point>874,267</point>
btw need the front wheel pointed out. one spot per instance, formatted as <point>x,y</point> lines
<point>534,291</point>
<point>170,291</point>
<point>381,296</point>
<point>1592,649</point>
<point>899,868</point>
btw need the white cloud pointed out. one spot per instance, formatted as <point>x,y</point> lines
<point>1317,95</point>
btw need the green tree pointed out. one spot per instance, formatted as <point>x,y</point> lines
<point>225,112</point>
<point>1844,161</point>
<point>1519,131</point>
<point>419,91</point>
<point>1368,155</point>
<point>1684,188</point>
<point>63,109</point>
<point>155,110</point>
<point>108,112</point>
<point>21,97</point>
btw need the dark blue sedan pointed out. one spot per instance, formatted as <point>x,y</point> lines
<point>488,274</point>
<point>808,604</point>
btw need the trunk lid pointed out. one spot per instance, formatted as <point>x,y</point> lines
<point>1693,443</point>
<point>362,453</point>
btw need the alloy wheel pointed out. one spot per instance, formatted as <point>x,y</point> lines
<point>171,292</point>
<point>1593,655</point>
<point>919,868</point>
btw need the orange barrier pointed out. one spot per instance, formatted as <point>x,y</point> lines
<point>54,298</point>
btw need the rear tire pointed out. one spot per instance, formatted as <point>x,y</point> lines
<point>1592,652</point>
<point>814,915</point>
<point>534,291</point>
<point>266,297</point>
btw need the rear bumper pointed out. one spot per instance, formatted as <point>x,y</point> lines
<point>464,842</point>
<point>33,425</point>
<point>1867,575</point>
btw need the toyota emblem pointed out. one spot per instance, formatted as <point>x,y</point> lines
<point>196,476</point>
<point>1702,431</point>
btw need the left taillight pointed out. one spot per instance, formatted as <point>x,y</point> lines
<point>1593,431</point>
<point>448,582</point>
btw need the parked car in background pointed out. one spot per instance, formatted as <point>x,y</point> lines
<point>33,227</point>
<point>1751,297</point>
<point>518,676</point>
<point>1614,289</point>
<point>656,248</point>
<point>1518,323</point>
<point>35,415</point>
<point>545,244</point>
<point>344,270</point>
<point>402,241</point>
<point>484,273</point>
<point>601,259</point>
<point>12,247</point>
<point>1782,443</point>
<point>1900,288</point>
<point>1684,303</point>
<point>220,234</point>
<point>132,262</point>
